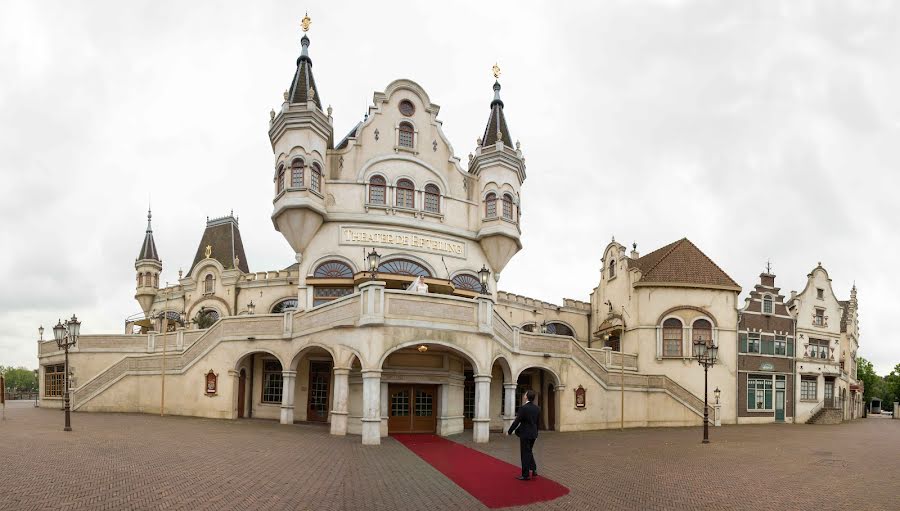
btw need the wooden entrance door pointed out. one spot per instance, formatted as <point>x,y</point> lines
<point>319,383</point>
<point>412,409</point>
<point>242,393</point>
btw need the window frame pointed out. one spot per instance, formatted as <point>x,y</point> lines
<point>410,190</point>
<point>507,203</point>
<point>209,284</point>
<point>805,384</point>
<point>671,329</point>
<point>54,380</point>
<point>767,300</point>
<point>432,192</point>
<point>279,179</point>
<point>297,173</point>
<point>767,384</point>
<point>315,179</point>
<point>406,128</point>
<point>490,203</point>
<point>382,185</point>
<point>270,377</point>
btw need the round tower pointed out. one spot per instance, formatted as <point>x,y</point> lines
<point>147,268</point>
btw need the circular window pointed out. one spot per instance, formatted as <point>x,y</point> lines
<point>407,108</point>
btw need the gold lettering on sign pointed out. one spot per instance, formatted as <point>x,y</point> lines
<point>388,238</point>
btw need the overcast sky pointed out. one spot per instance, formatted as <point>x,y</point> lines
<point>759,130</point>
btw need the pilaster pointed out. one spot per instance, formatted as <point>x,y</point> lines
<point>287,396</point>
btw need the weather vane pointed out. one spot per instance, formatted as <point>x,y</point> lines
<point>496,70</point>
<point>768,266</point>
<point>305,22</point>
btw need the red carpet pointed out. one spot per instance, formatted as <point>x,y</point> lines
<point>486,478</point>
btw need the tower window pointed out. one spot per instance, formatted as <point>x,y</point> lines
<point>612,267</point>
<point>407,135</point>
<point>507,206</point>
<point>297,174</point>
<point>490,205</point>
<point>405,194</point>
<point>432,198</point>
<point>209,284</point>
<point>767,305</point>
<point>315,179</point>
<point>376,190</point>
<point>280,179</point>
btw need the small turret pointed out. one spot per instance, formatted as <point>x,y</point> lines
<point>500,169</point>
<point>147,267</point>
<point>301,135</point>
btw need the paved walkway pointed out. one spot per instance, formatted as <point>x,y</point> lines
<point>128,461</point>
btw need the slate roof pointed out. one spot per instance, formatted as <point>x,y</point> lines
<point>343,143</point>
<point>681,262</point>
<point>303,79</point>
<point>148,249</point>
<point>223,237</point>
<point>496,122</point>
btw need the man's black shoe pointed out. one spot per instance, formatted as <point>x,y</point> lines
<point>523,478</point>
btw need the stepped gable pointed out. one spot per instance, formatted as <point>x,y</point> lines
<point>223,237</point>
<point>681,262</point>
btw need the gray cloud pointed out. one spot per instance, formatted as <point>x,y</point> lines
<point>758,130</point>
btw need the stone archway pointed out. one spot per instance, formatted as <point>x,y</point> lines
<point>545,382</point>
<point>258,385</point>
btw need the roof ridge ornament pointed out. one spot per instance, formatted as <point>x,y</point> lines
<point>305,22</point>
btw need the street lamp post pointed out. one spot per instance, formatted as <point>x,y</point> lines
<point>373,259</point>
<point>706,353</point>
<point>37,386</point>
<point>66,335</point>
<point>483,275</point>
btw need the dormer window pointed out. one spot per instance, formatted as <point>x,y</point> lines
<point>209,284</point>
<point>767,305</point>
<point>490,205</point>
<point>377,188</point>
<point>405,194</point>
<point>612,268</point>
<point>407,135</point>
<point>819,317</point>
<point>820,293</point>
<point>297,173</point>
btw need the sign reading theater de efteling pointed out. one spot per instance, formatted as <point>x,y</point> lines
<point>401,239</point>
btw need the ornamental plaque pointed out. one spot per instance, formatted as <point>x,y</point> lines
<point>399,239</point>
<point>766,366</point>
<point>580,398</point>
<point>212,383</point>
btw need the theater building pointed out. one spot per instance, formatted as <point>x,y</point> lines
<point>389,319</point>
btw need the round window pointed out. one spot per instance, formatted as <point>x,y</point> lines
<point>407,108</point>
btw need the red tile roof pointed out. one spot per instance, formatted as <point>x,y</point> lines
<point>681,262</point>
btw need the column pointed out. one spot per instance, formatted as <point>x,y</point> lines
<point>509,410</point>
<point>287,396</point>
<point>482,422</point>
<point>385,400</point>
<point>371,419</point>
<point>339,400</point>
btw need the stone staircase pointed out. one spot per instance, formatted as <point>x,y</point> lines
<point>826,416</point>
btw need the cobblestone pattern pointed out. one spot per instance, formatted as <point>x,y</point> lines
<point>132,461</point>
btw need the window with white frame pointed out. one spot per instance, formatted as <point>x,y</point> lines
<point>780,345</point>
<point>808,388</point>
<point>672,337</point>
<point>759,392</point>
<point>753,344</point>
<point>272,381</point>
<point>767,304</point>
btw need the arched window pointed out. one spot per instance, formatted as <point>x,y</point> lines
<point>209,284</point>
<point>672,338</point>
<point>280,179</point>
<point>156,280</point>
<point>507,206</point>
<point>559,329</point>
<point>467,281</point>
<point>403,267</point>
<point>139,277</point>
<point>432,198</point>
<point>333,270</point>
<point>315,178</point>
<point>377,187</point>
<point>528,328</point>
<point>702,331</point>
<point>405,194</point>
<point>612,267</point>
<point>767,304</point>
<point>407,135</point>
<point>285,305</point>
<point>490,205</point>
<point>297,173</point>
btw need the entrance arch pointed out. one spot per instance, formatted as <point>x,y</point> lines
<point>546,384</point>
<point>258,385</point>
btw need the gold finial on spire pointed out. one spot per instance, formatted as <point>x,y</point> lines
<point>305,22</point>
<point>496,70</point>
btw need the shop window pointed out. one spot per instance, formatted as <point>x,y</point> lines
<point>272,381</point>
<point>759,392</point>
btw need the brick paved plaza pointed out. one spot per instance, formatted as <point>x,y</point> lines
<point>126,461</point>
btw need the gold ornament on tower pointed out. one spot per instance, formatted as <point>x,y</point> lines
<point>305,23</point>
<point>496,70</point>
<point>208,251</point>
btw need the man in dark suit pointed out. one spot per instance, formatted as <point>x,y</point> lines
<point>526,428</point>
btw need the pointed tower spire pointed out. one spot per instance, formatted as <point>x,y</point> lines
<point>496,128</point>
<point>148,249</point>
<point>303,87</point>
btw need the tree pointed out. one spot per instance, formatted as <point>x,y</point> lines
<point>892,386</point>
<point>19,378</point>
<point>866,373</point>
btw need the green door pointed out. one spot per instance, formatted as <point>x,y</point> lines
<point>779,398</point>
